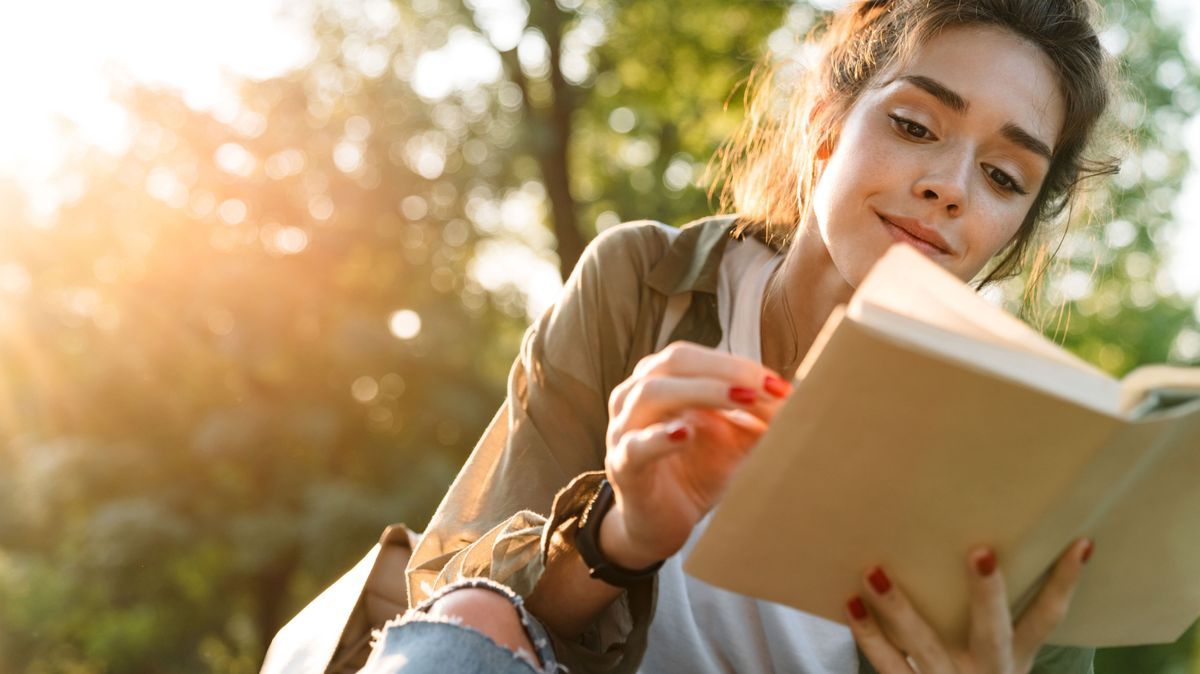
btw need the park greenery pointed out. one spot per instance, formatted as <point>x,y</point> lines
<point>263,332</point>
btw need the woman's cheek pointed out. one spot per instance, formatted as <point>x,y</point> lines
<point>989,243</point>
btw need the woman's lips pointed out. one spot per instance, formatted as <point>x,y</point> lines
<point>900,234</point>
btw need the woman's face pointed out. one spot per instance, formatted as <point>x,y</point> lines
<point>945,152</point>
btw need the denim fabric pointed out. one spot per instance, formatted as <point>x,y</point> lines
<point>417,643</point>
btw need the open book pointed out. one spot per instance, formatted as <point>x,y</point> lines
<point>925,421</point>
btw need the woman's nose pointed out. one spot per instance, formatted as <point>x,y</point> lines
<point>945,186</point>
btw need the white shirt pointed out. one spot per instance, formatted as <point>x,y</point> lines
<point>701,629</point>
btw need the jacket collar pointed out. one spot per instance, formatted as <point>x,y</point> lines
<point>693,261</point>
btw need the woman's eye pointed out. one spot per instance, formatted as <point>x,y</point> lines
<point>911,128</point>
<point>1005,181</point>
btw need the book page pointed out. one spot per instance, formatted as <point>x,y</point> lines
<point>1141,586</point>
<point>1087,387</point>
<point>905,282</point>
<point>1171,382</point>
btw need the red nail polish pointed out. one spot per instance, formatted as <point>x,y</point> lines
<point>1087,551</point>
<point>775,386</point>
<point>741,394</point>
<point>986,564</point>
<point>857,608</point>
<point>879,580</point>
<point>678,433</point>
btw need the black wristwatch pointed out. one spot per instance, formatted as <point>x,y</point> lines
<point>587,541</point>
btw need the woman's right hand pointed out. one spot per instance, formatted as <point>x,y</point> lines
<point>678,428</point>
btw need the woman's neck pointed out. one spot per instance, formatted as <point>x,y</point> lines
<point>803,291</point>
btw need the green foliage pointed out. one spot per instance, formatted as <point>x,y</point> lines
<point>208,414</point>
<point>212,401</point>
<point>1111,300</point>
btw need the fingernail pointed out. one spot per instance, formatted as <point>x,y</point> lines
<point>879,580</point>
<point>1087,551</point>
<point>741,394</point>
<point>678,433</point>
<point>986,564</point>
<point>857,608</point>
<point>775,386</point>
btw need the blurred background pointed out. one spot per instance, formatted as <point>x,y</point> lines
<point>265,267</point>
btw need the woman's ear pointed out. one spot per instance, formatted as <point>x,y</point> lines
<point>828,137</point>
<point>824,150</point>
<point>827,140</point>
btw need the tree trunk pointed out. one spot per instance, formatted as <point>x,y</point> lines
<point>554,157</point>
<point>271,585</point>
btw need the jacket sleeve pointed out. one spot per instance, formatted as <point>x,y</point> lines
<point>1063,660</point>
<point>542,456</point>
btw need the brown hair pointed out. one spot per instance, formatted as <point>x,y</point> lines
<point>767,170</point>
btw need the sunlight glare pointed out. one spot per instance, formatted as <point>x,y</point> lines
<point>466,61</point>
<point>62,61</point>
<point>405,324</point>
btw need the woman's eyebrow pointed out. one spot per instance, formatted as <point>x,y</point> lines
<point>957,103</point>
<point>950,98</point>
<point>1023,138</point>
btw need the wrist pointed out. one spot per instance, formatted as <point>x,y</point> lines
<point>616,545</point>
<point>599,564</point>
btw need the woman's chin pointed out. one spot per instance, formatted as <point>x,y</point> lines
<point>857,261</point>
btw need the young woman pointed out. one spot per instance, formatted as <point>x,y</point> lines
<point>954,126</point>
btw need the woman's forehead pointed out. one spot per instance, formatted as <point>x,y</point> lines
<point>995,73</point>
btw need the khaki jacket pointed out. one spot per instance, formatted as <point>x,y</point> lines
<point>543,453</point>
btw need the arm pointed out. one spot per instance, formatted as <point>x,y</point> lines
<point>663,482</point>
<point>497,520</point>
<point>678,428</point>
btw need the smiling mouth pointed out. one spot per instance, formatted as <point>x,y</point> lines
<point>900,234</point>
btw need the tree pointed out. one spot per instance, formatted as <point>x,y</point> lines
<point>264,332</point>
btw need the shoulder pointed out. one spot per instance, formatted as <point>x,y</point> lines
<point>671,259</point>
<point>585,339</point>
<point>608,314</point>
<point>637,244</point>
<point>607,290</point>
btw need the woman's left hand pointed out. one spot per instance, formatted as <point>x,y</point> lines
<point>897,639</point>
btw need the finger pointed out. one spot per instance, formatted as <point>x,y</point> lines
<point>771,391</point>
<point>901,622</point>
<point>685,359</point>
<point>874,644</point>
<point>744,421</point>
<point>730,432</point>
<point>1050,606</point>
<point>616,399</point>
<point>657,397</point>
<point>990,635</point>
<point>644,446</point>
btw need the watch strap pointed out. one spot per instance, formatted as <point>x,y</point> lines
<point>587,541</point>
